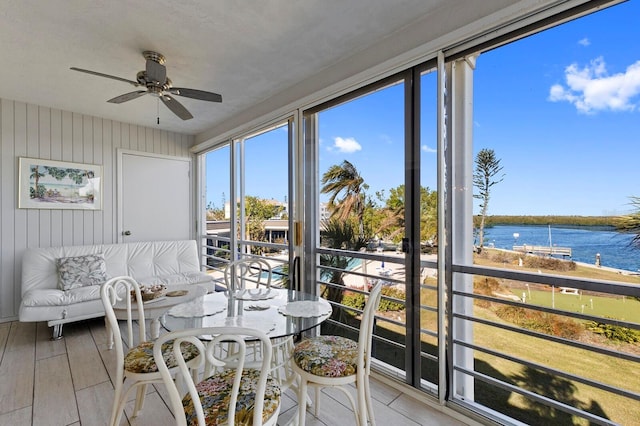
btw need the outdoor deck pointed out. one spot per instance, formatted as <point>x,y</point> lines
<point>70,382</point>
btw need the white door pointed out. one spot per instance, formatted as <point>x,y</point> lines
<point>154,194</point>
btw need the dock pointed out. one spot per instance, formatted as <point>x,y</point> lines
<point>544,250</point>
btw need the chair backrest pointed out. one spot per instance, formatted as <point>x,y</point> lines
<point>213,363</point>
<point>247,272</point>
<point>118,290</point>
<point>366,328</point>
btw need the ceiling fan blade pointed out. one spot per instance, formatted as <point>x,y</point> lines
<point>176,107</point>
<point>156,72</point>
<point>113,77</point>
<point>127,97</point>
<point>196,94</point>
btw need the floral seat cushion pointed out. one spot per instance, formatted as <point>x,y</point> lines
<point>327,356</point>
<point>140,359</point>
<point>215,393</point>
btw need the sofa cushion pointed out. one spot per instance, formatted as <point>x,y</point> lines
<point>81,271</point>
<point>56,297</point>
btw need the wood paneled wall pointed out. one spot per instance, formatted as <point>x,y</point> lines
<point>28,130</point>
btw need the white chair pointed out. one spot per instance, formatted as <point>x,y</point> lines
<point>247,273</point>
<point>315,363</point>
<point>137,364</point>
<point>228,394</point>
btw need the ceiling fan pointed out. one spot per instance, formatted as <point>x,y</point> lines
<point>155,79</point>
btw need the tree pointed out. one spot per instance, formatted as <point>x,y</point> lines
<point>428,215</point>
<point>257,211</point>
<point>345,180</point>
<point>630,224</point>
<point>214,213</point>
<point>258,208</point>
<point>79,175</point>
<point>392,223</point>
<point>484,177</point>
<point>37,191</point>
<point>337,234</point>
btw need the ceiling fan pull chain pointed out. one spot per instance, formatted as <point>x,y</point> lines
<point>158,110</point>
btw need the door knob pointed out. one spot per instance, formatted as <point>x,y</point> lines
<point>127,233</point>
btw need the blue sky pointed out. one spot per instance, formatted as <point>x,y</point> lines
<point>561,109</point>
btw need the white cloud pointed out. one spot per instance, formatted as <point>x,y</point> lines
<point>346,145</point>
<point>584,42</point>
<point>592,89</point>
<point>426,148</point>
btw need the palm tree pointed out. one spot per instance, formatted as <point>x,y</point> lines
<point>345,180</point>
<point>392,215</point>
<point>37,192</point>
<point>337,234</point>
<point>630,224</point>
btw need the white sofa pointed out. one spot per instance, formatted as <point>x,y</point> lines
<point>154,262</point>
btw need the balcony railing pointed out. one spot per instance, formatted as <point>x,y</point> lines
<point>530,352</point>
<point>216,255</point>
<point>504,368</point>
<point>522,352</point>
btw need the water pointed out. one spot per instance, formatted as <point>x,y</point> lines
<point>615,249</point>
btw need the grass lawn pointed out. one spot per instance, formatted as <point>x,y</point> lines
<point>622,308</point>
<point>579,362</point>
<point>588,364</point>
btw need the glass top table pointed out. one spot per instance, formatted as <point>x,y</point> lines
<point>277,312</point>
<point>154,309</point>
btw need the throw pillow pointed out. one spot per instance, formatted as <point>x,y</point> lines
<point>81,271</point>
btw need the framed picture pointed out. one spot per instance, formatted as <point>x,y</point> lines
<point>47,184</point>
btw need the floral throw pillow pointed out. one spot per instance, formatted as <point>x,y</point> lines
<point>81,271</point>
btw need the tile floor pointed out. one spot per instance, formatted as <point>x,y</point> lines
<point>69,382</point>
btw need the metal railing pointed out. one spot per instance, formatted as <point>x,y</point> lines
<point>501,367</point>
<point>215,253</point>
<point>535,353</point>
<point>390,333</point>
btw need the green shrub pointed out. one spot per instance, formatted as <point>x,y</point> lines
<point>391,305</point>
<point>485,286</point>
<point>353,300</point>
<point>554,325</point>
<point>358,300</point>
<point>614,332</point>
<point>500,256</point>
<point>545,262</point>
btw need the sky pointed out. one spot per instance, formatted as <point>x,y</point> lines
<point>560,109</point>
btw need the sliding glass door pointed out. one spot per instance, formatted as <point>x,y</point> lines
<point>375,209</point>
<point>248,192</point>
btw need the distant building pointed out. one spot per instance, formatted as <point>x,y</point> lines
<point>324,211</point>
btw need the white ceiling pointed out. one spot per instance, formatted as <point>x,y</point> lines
<point>249,51</point>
